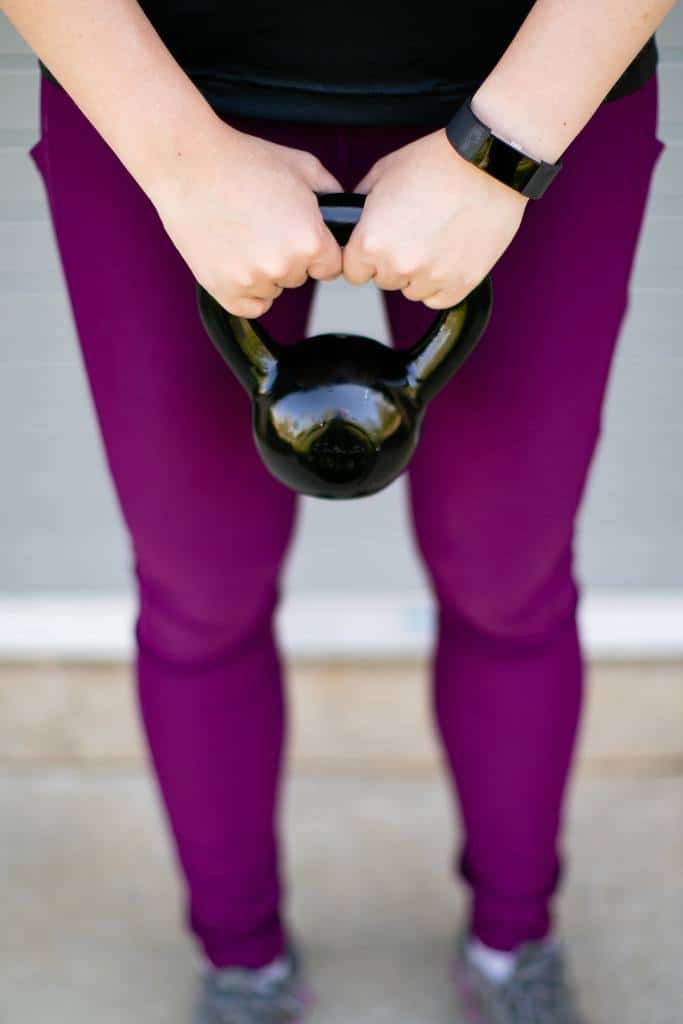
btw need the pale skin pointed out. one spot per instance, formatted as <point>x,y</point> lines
<point>242,211</point>
<point>433,224</point>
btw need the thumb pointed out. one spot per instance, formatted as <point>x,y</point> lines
<point>369,180</point>
<point>325,182</point>
<point>318,178</point>
<point>328,263</point>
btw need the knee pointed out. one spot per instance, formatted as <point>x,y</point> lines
<point>520,615</point>
<point>202,621</point>
<point>514,596</point>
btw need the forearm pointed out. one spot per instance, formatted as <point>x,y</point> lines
<point>115,67</point>
<point>560,66</point>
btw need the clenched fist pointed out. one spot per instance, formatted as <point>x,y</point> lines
<point>245,218</point>
<point>432,226</point>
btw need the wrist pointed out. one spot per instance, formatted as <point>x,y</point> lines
<point>176,157</point>
<point>502,159</point>
<point>481,179</point>
<point>541,134</point>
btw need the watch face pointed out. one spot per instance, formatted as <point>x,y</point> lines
<point>505,163</point>
<point>475,142</point>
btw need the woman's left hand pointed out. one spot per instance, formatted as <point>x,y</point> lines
<point>433,224</point>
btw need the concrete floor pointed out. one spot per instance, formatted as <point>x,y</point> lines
<point>91,907</point>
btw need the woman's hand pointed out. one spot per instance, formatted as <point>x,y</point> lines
<point>243,215</point>
<point>432,226</point>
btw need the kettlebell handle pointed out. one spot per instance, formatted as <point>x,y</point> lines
<point>253,355</point>
<point>459,327</point>
<point>341,212</point>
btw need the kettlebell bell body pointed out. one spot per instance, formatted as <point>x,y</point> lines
<point>339,415</point>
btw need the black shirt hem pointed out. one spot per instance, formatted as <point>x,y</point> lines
<point>432,105</point>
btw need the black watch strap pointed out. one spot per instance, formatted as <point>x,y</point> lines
<point>474,141</point>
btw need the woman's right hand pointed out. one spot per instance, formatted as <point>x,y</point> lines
<point>244,216</point>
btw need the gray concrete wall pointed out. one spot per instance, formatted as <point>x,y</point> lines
<point>59,523</point>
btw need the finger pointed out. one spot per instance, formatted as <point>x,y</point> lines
<point>420,288</point>
<point>356,270</point>
<point>247,307</point>
<point>328,264</point>
<point>326,182</point>
<point>442,299</point>
<point>293,279</point>
<point>369,180</point>
<point>392,282</point>
<point>280,274</point>
<point>359,267</point>
<point>317,176</point>
<point>263,288</point>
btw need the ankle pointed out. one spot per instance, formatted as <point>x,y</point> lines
<point>496,964</point>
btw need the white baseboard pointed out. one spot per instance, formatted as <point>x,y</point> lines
<point>616,624</point>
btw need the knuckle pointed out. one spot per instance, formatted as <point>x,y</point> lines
<point>243,280</point>
<point>309,244</point>
<point>403,270</point>
<point>370,244</point>
<point>277,269</point>
<point>406,266</point>
<point>311,162</point>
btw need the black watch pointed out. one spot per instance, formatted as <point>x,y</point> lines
<point>476,143</point>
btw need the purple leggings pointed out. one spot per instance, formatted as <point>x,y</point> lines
<point>494,521</point>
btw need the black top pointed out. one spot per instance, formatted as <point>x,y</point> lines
<point>352,63</point>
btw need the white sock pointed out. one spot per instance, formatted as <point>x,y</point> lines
<point>496,964</point>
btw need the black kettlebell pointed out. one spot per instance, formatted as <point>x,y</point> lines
<point>338,415</point>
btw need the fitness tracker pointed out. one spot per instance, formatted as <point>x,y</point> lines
<point>503,161</point>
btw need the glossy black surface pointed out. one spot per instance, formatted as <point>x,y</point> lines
<point>338,415</point>
<point>473,140</point>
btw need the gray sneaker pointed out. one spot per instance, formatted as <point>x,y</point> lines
<point>538,992</point>
<point>274,994</point>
